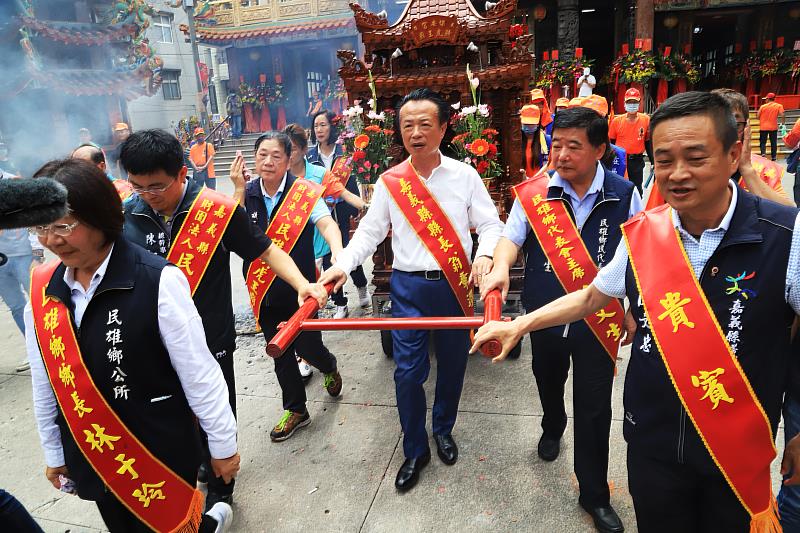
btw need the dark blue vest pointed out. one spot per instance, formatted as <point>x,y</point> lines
<point>600,233</point>
<point>213,296</point>
<point>342,209</point>
<point>131,372</point>
<point>757,328</point>
<point>281,293</point>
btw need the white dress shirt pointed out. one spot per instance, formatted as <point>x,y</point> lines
<point>460,192</point>
<point>181,331</point>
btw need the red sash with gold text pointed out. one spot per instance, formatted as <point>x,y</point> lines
<point>433,227</point>
<point>285,229</point>
<point>146,486</point>
<point>565,250</point>
<point>200,234</point>
<point>704,371</point>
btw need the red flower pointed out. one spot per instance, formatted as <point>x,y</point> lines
<point>489,132</point>
<point>367,165</point>
<point>388,132</point>
<point>373,128</point>
<point>358,155</point>
<point>492,151</point>
<point>483,166</point>
<point>479,147</point>
<point>361,141</point>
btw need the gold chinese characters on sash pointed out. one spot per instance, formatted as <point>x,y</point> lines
<point>200,234</point>
<point>149,489</point>
<point>285,229</point>
<point>705,372</point>
<point>433,227</point>
<point>565,250</point>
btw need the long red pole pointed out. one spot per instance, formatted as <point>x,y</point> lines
<point>301,321</point>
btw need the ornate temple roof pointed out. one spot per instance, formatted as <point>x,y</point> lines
<point>378,34</point>
<point>295,28</point>
<point>78,33</point>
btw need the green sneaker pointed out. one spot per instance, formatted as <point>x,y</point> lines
<point>288,424</point>
<point>333,383</point>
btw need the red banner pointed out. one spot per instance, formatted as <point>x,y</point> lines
<point>200,234</point>
<point>565,250</point>
<point>285,229</point>
<point>433,227</point>
<point>146,486</point>
<point>704,370</point>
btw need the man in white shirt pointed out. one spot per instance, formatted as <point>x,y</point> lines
<point>586,83</point>
<point>419,286</point>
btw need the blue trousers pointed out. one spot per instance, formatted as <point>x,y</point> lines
<point>15,277</point>
<point>236,126</point>
<point>14,517</point>
<point>789,496</point>
<point>414,296</point>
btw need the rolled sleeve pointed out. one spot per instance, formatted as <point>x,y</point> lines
<point>636,203</point>
<point>484,218</point>
<point>319,211</point>
<point>201,378</point>
<point>611,278</point>
<point>371,231</point>
<point>45,407</point>
<point>517,226</point>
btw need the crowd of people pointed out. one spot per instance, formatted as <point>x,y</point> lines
<point>130,333</point>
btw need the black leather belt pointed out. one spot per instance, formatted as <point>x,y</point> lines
<point>636,156</point>
<point>430,275</point>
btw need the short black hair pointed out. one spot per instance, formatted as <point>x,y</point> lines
<point>148,151</point>
<point>425,94</point>
<point>91,197</point>
<point>97,156</point>
<point>297,135</point>
<point>697,103</point>
<point>333,136</point>
<point>583,118</point>
<point>279,136</point>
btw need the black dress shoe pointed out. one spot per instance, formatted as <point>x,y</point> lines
<point>408,475</point>
<point>202,473</point>
<point>549,447</point>
<point>605,518</point>
<point>446,449</point>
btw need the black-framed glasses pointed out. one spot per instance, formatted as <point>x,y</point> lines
<point>155,189</point>
<point>62,230</point>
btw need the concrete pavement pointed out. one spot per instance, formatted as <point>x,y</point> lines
<point>338,473</point>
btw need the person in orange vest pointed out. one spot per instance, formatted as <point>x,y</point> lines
<point>538,99</point>
<point>535,141</point>
<point>768,115</point>
<point>631,131</point>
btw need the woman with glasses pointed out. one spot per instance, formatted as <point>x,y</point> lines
<point>133,360</point>
<point>325,152</point>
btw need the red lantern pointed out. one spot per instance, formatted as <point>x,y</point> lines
<point>554,55</point>
<point>578,53</point>
<point>539,12</point>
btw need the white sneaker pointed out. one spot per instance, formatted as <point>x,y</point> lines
<point>305,369</point>
<point>23,366</point>
<point>363,297</point>
<point>223,514</point>
<point>341,312</point>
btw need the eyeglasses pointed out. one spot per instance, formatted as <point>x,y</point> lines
<point>741,125</point>
<point>155,189</point>
<point>62,230</point>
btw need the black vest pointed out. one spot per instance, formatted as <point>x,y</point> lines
<point>131,370</point>
<point>281,293</point>
<point>757,327</point>
<point>213,296</point>
<point>601,234</point>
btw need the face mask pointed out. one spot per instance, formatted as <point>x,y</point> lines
<point>586,71</point>
<point>529,129</point>
<point>632,108</point>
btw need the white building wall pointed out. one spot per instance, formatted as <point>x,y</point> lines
<point>156,111</point>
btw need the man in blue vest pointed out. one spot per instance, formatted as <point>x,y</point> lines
<point>745,253</point>
<point>598,201</point>
<point>154,216</point>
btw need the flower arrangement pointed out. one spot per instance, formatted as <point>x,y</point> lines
<point>676,66</point>
<point>279,96</point>
<point>793,66</point>
<point>635,67</point>
<point>561,71</point>
<point>475,141</point>
<point>763,63</point>
<point>247,93</point>
<point>368,138</point>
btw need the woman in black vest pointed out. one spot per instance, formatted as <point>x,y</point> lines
<point>158,377</point>
<point>324,153</point>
